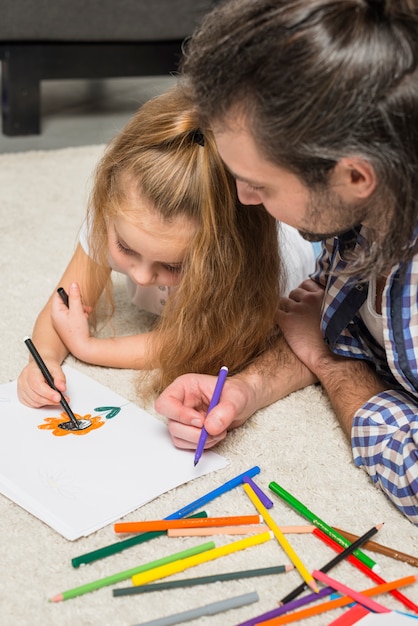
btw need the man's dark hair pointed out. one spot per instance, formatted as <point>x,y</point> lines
<point>317,80</point>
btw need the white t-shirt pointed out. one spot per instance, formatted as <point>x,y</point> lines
<point>298,257</point>
<point>369,315</point>
<point>298,260</point>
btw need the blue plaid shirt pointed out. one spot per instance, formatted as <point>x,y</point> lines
<point>384,435</point>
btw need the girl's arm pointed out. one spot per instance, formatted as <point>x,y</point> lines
<point>71,323</point>
<point>32,388</point>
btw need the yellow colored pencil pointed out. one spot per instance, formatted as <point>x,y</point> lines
<point>210,555</point>
<point>297,562</point>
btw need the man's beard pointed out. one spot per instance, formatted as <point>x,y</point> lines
<point>325,202</point>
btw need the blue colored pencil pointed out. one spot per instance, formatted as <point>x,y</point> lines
<point>119,546</point>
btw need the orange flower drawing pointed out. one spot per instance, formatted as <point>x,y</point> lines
<point>53,423</point>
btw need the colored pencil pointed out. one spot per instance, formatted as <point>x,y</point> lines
<point>337,603</point>
<point>351,548</point>
<point>273,613</point>
<point>153,525</point>
<point>296,560</point>
<point>192,561</point>
<point>235,530</point>
<point>314,519</point>
<point>50,380</point>
<point>381,549</point>
<point>366,570</point>
<point>248,529</point>
<point>223,373</point>
<point>203,580</point>
<point>260,493</point>
<point>119,546</point>
<point>350,617</point>
<point>119,576</point>
<point>351,593</point>
<point>220,606</point>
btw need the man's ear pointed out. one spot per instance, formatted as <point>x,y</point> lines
<point>354,178</point>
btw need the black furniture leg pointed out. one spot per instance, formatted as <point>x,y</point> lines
<point>24,66</point>
<point>21,91</point>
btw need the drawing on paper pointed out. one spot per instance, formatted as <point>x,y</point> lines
<point>113,411</point>
<point>61,482</point>
<point>54,424</point>
<point>60,427</point>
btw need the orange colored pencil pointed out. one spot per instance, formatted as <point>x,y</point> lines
<point>366,570</point>
<point>357,596</point>
<point>235,530</point>
<point>381,549</point>
<point>189,522</point>
<point>317,609</point>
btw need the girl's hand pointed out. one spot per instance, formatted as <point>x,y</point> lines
<point>299,319</point>
<point>71,323</point>
<point>185,402</point>
<point>32,388</point>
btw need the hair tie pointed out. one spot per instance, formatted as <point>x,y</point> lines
<point>198,137</point>
<point>378,7</point>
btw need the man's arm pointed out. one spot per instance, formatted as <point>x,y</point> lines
<point>381,423</point>
<point>384,438</point>
<point>270,377</point>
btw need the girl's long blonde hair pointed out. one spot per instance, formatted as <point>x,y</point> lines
<point>223,309</point>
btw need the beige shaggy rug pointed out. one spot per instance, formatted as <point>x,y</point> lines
<point>296,442</point>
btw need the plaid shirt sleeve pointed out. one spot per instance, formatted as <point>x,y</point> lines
<point>384,435</point>
<point>385,443</point>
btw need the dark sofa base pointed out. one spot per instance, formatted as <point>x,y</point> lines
<point>25,65</point>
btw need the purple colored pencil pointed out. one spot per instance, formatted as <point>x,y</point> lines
<point>260,494</point>
<point>294,604</point>
<point>223,373</point>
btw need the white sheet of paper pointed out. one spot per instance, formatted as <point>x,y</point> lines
<point>78,483</point>
<point>387,619</point>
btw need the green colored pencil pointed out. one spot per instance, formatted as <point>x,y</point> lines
<point>115,578</point>
<point>314,519</point>
<point>119,546</point>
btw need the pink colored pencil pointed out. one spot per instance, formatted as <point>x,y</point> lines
<point>234,530</point>
<point>359,597</point>
<point>366,570</point>
<point>248,529</point>
<point>330,605</point>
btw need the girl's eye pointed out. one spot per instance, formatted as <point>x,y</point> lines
<point>175,269</point>
<point>123,248</point>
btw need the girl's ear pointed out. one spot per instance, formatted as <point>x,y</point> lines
<point>354,178</point>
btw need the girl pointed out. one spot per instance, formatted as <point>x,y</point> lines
<point>164,211</point>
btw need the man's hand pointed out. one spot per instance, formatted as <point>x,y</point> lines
<point>185,402</point>
<point>299,319</point>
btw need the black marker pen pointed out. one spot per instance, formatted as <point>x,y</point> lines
<point>64,296</point>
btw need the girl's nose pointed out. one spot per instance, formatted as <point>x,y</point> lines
<point>142,274</point>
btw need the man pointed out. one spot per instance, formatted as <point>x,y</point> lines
<point>314,105</point>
